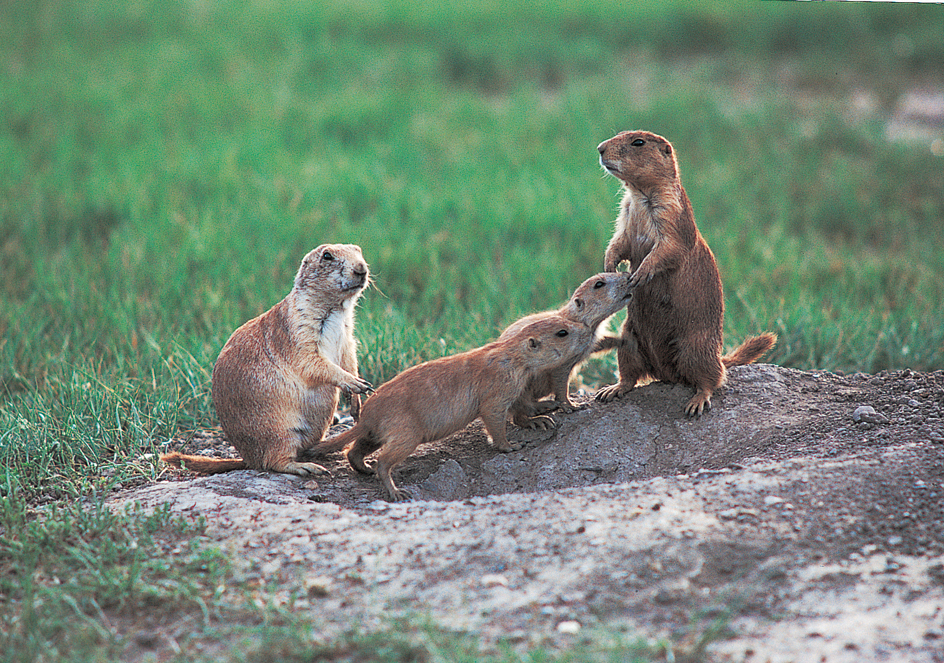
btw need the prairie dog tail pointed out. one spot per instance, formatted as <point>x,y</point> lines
<point>204,464</point>
<point>337,442</point>
<point>750,350</point>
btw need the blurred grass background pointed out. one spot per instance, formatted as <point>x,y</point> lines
<point>165,165</point>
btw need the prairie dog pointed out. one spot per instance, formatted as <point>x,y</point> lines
<point>432,400</point>
<point>277,380</point>
<point>593,302</point>
<point>673,328</point>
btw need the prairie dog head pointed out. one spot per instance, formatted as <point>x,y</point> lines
<point>640,159</point>
<point>599,297</point>
<point>332,273</point>
<point>552,341</point>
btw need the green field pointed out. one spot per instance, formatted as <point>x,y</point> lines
<point>164,166</point>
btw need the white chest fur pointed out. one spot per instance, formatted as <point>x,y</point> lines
<point>334,334</point>
<point>327,331</point>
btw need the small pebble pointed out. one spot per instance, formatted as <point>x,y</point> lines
<point>861,412</point>
<point>494,580</point>
<point>867,414</point>
<point>570,627</point>
<point>891,566</point>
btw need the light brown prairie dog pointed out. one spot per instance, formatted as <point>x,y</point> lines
<point>592,303</point>
<point>432,400</point>
<point>673,328</point>
<point>276,381</point>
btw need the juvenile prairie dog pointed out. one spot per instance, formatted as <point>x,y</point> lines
<point>276,381</point>
<point>432,400</point>
<point>592,303</point>
<point>673,328</point>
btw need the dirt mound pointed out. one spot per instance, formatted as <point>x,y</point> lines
<point>806,506</point>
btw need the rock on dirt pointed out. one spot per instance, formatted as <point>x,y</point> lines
<point>816,533</point>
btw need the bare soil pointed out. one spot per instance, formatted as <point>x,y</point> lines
<point>804,511</point>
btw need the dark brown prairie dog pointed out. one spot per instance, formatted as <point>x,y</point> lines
<point>432,400</point>
<point>673,328</point>
<point>276,381</point>
<point>592,303</point>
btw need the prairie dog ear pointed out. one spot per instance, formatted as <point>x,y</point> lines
<point>533,343</point>
<point>578,303</point>
<point>667,149</point>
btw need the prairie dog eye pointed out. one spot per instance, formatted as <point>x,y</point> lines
<point>327,256</point>
<point>598,285</point>
<point>562,333</point>
<point>639,142</point>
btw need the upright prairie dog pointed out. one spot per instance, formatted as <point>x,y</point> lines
<point>592,303</point>
<point>276,381</point>
<point>432,400</point>
<point>673,328</point>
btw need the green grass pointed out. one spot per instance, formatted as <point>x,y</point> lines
<point>415,638</point>
<point>165,166</point>
<point>70,576</point>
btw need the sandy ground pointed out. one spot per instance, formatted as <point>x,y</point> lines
<point>805,510</point>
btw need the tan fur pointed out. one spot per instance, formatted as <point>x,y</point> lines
<point>597,298</point>
<point>276,382</point>
<point>673,328</point>
<point>432,400</point>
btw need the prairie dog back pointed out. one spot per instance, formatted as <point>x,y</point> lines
<point>432,400</point>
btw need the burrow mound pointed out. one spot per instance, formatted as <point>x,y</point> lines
<point>811,500</point>
<point>764,412</point>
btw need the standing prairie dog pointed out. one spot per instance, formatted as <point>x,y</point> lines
<point>432,400</point>
<point>592,303</point>
<point>673,328</point>
<point>276,381</point>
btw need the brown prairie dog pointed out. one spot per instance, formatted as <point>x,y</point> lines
<point>276,382</point>
<point>673,328</point>
<point>592,303</point>
<point>435,399</point>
